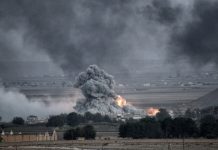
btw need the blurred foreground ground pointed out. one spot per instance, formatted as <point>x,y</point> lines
<point>119,144</point>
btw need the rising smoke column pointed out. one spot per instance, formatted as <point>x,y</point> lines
<point>98,88</point>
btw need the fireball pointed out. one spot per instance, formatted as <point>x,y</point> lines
<point>152,111</point>
<point>120,101</point>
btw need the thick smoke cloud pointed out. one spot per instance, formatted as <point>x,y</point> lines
<point>119,35</point>
<point>115,34</point>
<point>95,83</point>
<point>21,56</point>
<point>163,11</point>
<point>98,89</point>
<point>197,39</point>
<point>13,103</point>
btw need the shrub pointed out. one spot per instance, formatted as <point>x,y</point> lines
<point>18,121</point>
<point>87,132</point>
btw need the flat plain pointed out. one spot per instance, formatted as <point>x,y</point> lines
<point>117,144</point>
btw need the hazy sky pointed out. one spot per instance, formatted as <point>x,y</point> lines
<point>118,35</point>
<point>57,37</point>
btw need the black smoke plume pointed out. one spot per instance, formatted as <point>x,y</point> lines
<point>197,39</point>
<point>113,34</point>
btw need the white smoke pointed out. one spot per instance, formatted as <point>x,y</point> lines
<point>98,88</point>
<point>13,103</point>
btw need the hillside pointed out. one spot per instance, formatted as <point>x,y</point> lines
<point>210,99</point>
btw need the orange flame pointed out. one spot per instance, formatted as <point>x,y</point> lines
<point>121,101</point>
<point>152,111</point>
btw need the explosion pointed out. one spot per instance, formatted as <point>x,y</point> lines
<point>120,101</point>
<point>97,86</point>
<point>152,111</point>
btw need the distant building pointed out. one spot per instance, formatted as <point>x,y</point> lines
<point>120,117</point>
<point>32,119</point>
<point>124,117</point>
<point>35,120</point>
<point>137,117</point>
<point>28,134</point>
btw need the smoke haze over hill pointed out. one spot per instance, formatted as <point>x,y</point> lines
<point>114,34</point>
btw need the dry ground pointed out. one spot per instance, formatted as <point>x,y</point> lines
<point>119,144</point>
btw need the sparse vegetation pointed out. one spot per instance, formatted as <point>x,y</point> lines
<point>193,113</point>
<point>56,121</point>
<point>74,119</point>
<point>18,121</point>
<point>180,127</point>
<point>72,134</point>
<point>162,114</point>
<point>145,128</point>
<point>88,132</point>
<point>209,127</point>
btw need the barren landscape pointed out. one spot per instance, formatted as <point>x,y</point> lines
<point>119,144</point>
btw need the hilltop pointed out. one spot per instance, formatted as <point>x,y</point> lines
<point>210,99</point>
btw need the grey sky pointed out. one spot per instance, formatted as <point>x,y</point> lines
<point>117,35</point>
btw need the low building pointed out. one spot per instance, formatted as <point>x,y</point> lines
<point>137,117</point>
<point>28,134</point>
<point>32,119</point>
